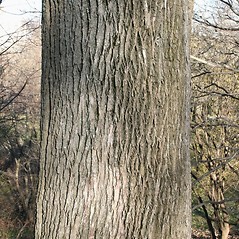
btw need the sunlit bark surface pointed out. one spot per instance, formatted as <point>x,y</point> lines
<point>115,99</point>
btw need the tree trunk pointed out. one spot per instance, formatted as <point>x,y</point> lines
<point>115,120</point>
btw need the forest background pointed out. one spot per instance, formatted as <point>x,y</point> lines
<point>214,121</point>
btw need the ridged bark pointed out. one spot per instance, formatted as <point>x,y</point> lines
<point>115,104</point>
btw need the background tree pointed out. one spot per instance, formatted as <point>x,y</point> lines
<point>215,117</point>
<point>115,97</point>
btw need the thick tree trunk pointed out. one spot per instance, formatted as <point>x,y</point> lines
<point>115,112</point>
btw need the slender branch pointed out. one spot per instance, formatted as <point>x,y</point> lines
<point>213,64</point>
<point>214,202</point>
<point>201,74</point>
<point>210,24</point>
<point>22,229</point>
<point>11,100</point>
<point>228,159</point>
<point>218,93</point>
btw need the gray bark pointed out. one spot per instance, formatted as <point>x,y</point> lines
<point>115,120</point>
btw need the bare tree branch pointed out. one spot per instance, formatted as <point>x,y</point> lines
<point>214,64</point>
<point>11,100</point>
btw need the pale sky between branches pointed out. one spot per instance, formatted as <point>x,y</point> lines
<point>14,13</point>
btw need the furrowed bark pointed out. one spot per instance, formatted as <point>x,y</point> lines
<point>115,120</point>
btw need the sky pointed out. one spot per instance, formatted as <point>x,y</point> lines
<point>13,13</point>
<point>203,5</point>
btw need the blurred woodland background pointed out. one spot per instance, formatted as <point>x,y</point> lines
<point>214,124</point>
<point>20,70</point>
